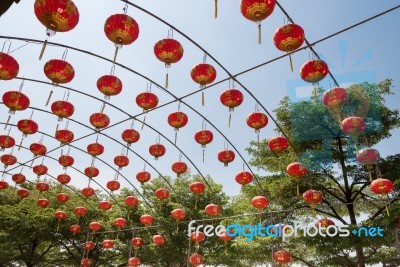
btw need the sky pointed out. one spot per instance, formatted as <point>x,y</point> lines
<point>368,51</point>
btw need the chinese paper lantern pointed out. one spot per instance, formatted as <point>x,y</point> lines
<point>203,137</point>
<point>203,74</point>
<point>226,156</point>
<point>278,144</point>
<point>143,176</point>
<point>288,38</point>
<point>146,219</point>
<point>27,126</point>
<point>120,223</point>
<point>113,185</point>
<point>257,121</point>
<point>146,100</point>
<point>56,16</point>
<point>178,214</point>
<point>64,178</point>
<point>134,262</point>
<point>130,136</point>
<point>66,161</point>
<point>196,259</point>
<point>9,67</point>
<point>179,168</point>
<point>89,245</point>
<point>6,141</point>
<point>197,237</point>
<point>105,205</point>
<point>107,244</point>
<point>59,72</point>
<point>62,197</point>
<point>225,237</point>
<point>353,126</point>
<point>64,136</point>
<point>15,101</point>
<point>62,109</point>
<point>168,51</point>
<point>162,193</point>
<point>109,85</point>
<point>80,211</point>
<point>38,149</point>
<point>212,210</point>
<point>243,177</point>
<point>60,215</point>
<point>282,256</point>
<point>368,157</point>
<point>334,99</point>
<point>23,193</point>
<point>85,262</point>
<point>256,11</point>
<point>197,188</point>
<point>95,226</point>
<point>40,170</point>
<point>99,120</point>
<point>8,160</point>
<point>18,178</point>
<point>75,229</point>
<point>121,161</point>
<point>296,170</point>
<point>87,192</point>
<point>259,202</point>
<point>157,150</point>
<point>43,203</point>
<point>121,29</point>
<point>92,172</point>
<point>42,186</point>
<point>324,223</point>
<point>3,185</point>
<point>137,243</point>
<point>95,149</point>
<point>158,240</point>
<point>313,71</point>
<point>231,98</point>
<point>381,186</point>
<point>177,120</point>
<point>131,201</point>
<point>312,198</point>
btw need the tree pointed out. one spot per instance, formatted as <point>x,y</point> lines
<point>317,141</point>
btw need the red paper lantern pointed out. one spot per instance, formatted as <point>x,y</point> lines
<point>3,185</point>
<point>23,193</point>
<point>109,85</point>
<point>18,178</point>
<point>134,262</point>
<point>105,205</point>
<point>87,191</point>
<point>177,120</point>
<point>278,144</point>
<point>196,259</point>
<point>27,126</point>
<point>312,197</point>
<point>257,10</point>
<point>89,245</point>
<point>203,137</point>
<point>131,201</point>
<point>178,214</point>
<point>85,262</point>
<point>282,257</point>
<point>62,109</point>
<point>64,136</point>
<point>212,210</point>
<point>197,237</point>
<point>143,177</point>
<point>162,193</point>
<point>130,136</point>
<point>62,197</point>
<point>120,223</point>
<point>257,121</point>
<point>99,120</point>
<point>137,242</point>
<point>147,100</point>
<point>40,170</point>
<point>64,178</point>
<point>38,149</point>
<point>296,170</point>
<point>157,150</point>
<point>334,98</point>
<point>60,215</point>
<point>75,229</point>
<point>368,156</point>
<point>80,211</point>
<point>231,98</point>
<point>381,186</point>
<point>6,141</point>
<point>121,29</point>
<point>288,38</point>
<point>353,126</point>
<point>314,71</point>
<point>59,71</point>
<point>197,188</point>
<point>121,161</point>
<point>259,202</point>
<point>9,67</point>
<point>14,100</point>
<point>42,186</point>
<point>66,161</point>
<point>244,177</point>
<point>42,202</point>
<point>95,226</point>
<point>324,223</point>
<point>107,244</point>
<point>95,149</point>
<point>158,240</point>
<point>226,156</point>
<point>179,168</point>
<point>203,74</point>
<point>8,160</point>
<point>225,237</point>
<point>146,219</point>
<point>113,185</point>
<point>91,172</point>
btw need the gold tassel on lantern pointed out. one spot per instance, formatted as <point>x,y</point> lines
<point>43,48</point>
<point>49,97</point>
<point>215,8</point>
<point>166,81</point>
<point>259,33</point>
<point>291,63</point>
<point>202,98</point>
<point>229,120</point>
<point>115,54</point>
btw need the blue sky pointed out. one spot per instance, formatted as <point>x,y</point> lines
<point>231,39</point>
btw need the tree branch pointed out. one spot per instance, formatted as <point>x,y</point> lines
<point>302,260</point>
<point>358,191</point>
<point>335,214</point>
